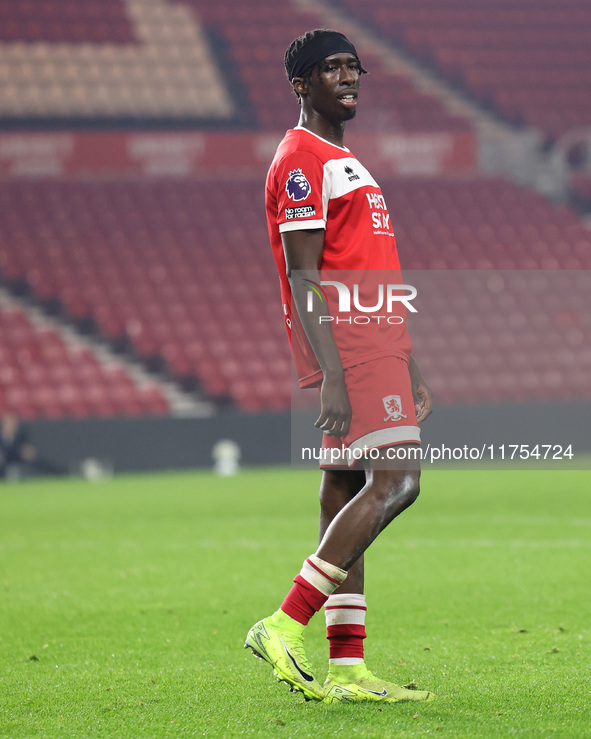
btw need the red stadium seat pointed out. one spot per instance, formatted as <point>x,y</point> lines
<point>531,62</point>
<point>43,376</point>
<point>205,301</point>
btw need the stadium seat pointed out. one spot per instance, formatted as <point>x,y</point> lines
<point>204,299</point>
<point>44,377</point>
<point>530,62</point>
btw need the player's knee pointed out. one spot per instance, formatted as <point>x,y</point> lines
<point>411,487</point>
<point>397,492</point>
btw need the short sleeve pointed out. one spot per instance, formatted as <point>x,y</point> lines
<point>299,179</point>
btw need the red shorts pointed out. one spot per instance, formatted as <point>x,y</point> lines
<point>380,394</point>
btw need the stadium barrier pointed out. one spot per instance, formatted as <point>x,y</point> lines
<point>150,444</point>
<point>190,153</point>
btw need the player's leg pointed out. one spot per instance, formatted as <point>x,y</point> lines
<point>345,609</point>
<point>279,638</point>
<point>392,485</point>
<point>337,489</point>
<point>384,496</point>
<point>387,421</point>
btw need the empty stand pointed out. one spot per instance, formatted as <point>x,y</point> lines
<point>503,336</point>
<point>483,224</point>
<point>531,61</point>
<point>66,21</point>
<point>101,60</point>
<point>176,59</point>
<point>256,53</point>
<point>42,376</point>
<point>182,269</point>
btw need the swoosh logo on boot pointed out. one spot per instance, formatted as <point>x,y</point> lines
<point>383,694</point>
<point>307,678</point>
<point>258,639</point>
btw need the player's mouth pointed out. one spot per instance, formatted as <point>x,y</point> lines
<point>349,99</point>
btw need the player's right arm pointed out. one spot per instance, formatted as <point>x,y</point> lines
<point>303,255</point>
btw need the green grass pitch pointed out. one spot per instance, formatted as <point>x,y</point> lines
<point>124,607</point>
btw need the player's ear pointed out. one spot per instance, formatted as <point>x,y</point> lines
<point>300,85</point>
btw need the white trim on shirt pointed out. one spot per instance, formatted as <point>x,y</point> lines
<point>302,225</point>
<point>326,141</point>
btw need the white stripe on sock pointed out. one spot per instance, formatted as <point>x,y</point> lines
<point>317,580</point>
<point>346,661</point>
<point>331,570</point>
<point>346,599</point>
<point>345,616</point>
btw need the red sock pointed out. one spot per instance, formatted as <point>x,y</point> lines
<point>345,628</point>
<point>316,581</point>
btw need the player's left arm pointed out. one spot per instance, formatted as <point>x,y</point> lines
<point>421,392</point>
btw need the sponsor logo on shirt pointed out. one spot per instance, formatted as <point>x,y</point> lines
<point>351,174</point>
<point>301,211</point>
<point>297,186</point>
<point>380,217</point>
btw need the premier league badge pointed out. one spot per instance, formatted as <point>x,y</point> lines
<point>393,406</point>
<point>297,186</point>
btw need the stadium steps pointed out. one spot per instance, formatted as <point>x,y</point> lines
<point>181,403</point>
<point>502,149</point>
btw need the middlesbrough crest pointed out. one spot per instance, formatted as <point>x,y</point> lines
<point>393,406</point>
<point>297,186</point>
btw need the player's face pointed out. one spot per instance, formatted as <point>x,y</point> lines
<point>333,89</point>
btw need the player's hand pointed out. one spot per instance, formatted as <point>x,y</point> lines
<point>421,392</point>
<point>423,400</point>
<point>335,408</point>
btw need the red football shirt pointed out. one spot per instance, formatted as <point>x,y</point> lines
<point>314,184</point>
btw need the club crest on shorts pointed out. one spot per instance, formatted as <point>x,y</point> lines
<point>393,406</point>
<point>297,186</point>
